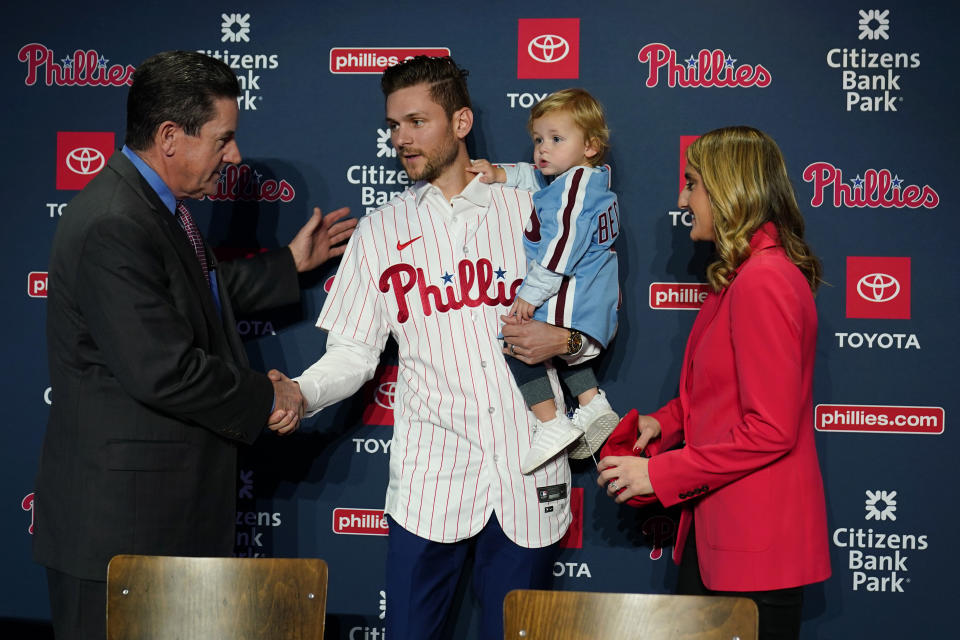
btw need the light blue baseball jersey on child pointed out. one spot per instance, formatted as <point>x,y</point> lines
<point>572,267</point>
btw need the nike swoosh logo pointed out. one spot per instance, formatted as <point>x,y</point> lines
<point>403,245</point>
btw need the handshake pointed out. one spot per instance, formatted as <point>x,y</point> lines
<point>288,404</point>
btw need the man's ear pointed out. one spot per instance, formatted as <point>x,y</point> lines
<point>166,137</point>
<point>462,122</point>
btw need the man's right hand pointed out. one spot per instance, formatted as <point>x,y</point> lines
<point>288,404</point>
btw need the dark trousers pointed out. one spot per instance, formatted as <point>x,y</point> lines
<point>780,609</point>
<point>535,385</point>
<point>422,577</point>
<point>78,607</point>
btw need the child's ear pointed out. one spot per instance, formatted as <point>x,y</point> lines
<point>591,149</point>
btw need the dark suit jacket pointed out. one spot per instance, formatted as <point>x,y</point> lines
<point>151,388</point>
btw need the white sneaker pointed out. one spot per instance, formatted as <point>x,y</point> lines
<point>597,420</point>
<point>549,439</point>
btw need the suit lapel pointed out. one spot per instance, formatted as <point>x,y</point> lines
<point>177,238</point>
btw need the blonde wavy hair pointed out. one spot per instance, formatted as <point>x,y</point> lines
<point>746,180</point>
<point>586,112</point>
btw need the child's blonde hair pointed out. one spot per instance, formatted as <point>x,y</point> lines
<point>586,112</point>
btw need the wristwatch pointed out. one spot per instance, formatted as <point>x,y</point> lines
<point>574,342</point>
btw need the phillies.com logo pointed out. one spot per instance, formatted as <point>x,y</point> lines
<point>240,182</point>
<point>83,68</point>
<point>877,188</point>
<point>706,69</point>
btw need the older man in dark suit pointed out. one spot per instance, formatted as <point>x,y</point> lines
<point>152,387</point>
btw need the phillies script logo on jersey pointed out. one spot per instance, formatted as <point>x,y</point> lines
<point>877,188</point>
<point>878,287</point>
<point>548,48</point>
<point>378,397</point>
<point>83,68</point>
<point>474,283</point>
<point>80,156</point>
<point>240,182</point>
<point>360,522</point>
<point>377,59</point>
<point>706,69</point>
<point>573,538</point>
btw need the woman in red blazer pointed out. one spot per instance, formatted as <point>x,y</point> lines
<point>753,520</point>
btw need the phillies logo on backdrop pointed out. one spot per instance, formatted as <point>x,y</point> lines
<point>573,538</point>
<point>661,530</point>
<point>83,68</point>
<point>37,284</point>
<point>27,505</point>
<point>377,59</point>
<point>877,188</point>
<point>706,69</point>
<point>379,396</point>
<point>80,156</point>
<point>878,287</point>
<point>243,183</point>
<point>474,283</point>
<point>548,48</point>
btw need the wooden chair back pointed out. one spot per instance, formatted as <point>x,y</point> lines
<point>166,598</point>
<point>573,615</point>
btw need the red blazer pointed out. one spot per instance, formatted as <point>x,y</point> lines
<point>749,474</point>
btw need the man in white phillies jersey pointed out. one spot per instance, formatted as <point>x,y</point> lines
<point>435,268</point>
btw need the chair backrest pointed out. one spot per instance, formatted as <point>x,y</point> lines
<point>570,615</point>
<point>161,598</point>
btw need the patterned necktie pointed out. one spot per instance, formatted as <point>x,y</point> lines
<point>193,234</point>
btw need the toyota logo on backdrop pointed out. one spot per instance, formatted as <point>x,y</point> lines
<point>80,156</point>
<point>878,287</point>
<point>548,48</point>
<point>85,161</point>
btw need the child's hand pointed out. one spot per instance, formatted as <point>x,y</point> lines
<point>488,172</point>
<point>522,309</point>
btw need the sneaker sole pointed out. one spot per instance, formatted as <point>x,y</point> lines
<point>594,439</point>
<point>530,469</point>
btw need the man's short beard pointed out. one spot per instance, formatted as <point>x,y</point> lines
<point>435,165</point>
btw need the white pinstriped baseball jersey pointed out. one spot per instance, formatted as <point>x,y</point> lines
<point>437,276</point>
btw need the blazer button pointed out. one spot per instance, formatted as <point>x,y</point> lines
<point>683,496</point>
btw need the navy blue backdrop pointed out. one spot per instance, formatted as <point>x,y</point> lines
<point>860,97</point>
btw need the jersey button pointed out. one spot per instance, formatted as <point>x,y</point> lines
<point>466,250</point>
<point>483,363</point>
<point>496,458</point>
<point>490,410</point>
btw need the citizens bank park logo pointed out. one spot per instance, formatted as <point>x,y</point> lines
<point>880,557</point>
<point>867,78</point>
<point>377,59</point>
<point>81,69</point>
<point>680,296</point>
<point>359,522</point>
<point>378,183</point>
<point>548,48</point>
<point>37,284</point>
<point>705,69</point>
<point>236,28</point>
<point>872,418</point>
<point>878,287</point>
<point>877,188</point>
<point>244,183</point>
<point>80,156</point>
